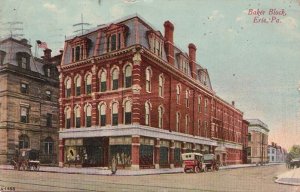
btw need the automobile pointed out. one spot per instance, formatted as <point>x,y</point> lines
<point>211,162</point>
<point>193,162</point>
<point>26,159</point>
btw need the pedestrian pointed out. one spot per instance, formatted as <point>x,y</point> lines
<point>113,166</point>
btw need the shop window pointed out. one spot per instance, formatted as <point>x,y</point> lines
<point>68,118</point>
<point>49,120</point>
<point>103,81</point>
<point>78,85</point>
<point>24,115</point>
<point>147,113</point>
<point>88,116</point>
<point>115,113</point>
<point>187,98</point>
<point>161,85</point>
<point>127,112</point>
<point>115,79</point>
<point>77,117</point>
<point>177,121</point>
<point>24,142</point>
<point>102,115</point>
<point>163,155</point>
<point>148,79</point>
<point>122,154</point>
<point>177,156</point>
<point>146,155</point>
<point>48,146</point>
<point>178,94</point>
<point>48,95</point>
<point>88,84</point>
<point>68,88</point>
<point>24,88</point>
<point>160,117</point>
<point>128,76</point>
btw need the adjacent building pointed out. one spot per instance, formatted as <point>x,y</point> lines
<point>128,92</point>
<point>257,141</point>
<point>276,153</point>
<point>29,110</point>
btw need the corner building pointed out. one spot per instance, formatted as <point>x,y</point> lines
<point>127,92</point>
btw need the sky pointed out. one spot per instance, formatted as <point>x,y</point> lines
<point>250,48</point>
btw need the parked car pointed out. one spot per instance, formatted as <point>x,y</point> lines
<point>211,162</point>
<point>193,162</point>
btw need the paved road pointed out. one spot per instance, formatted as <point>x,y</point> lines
<point>246,179</point>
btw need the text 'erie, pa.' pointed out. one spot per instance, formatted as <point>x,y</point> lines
<point>267,16</point>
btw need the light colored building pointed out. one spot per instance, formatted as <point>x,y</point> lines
<point>276,153</point>
<point>257,141</point>
<point>28,101</point>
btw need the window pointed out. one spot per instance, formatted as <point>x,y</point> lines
<point>249,151</point>
<point>115,79</point>
<point>148,79</point>
<point>177,121</point>
<point>156,44</point>
<point>23,60</point>
<point>77,117</point>
<point>78,86</point>
<point>205,128</point>
<point>199,104</point>
<point>199,127</point>
<point>161,85</point>
<point>102,115</point>
<point>147,113</point>
<point>103,81</point>
<point>24,142</point>
<point>48,95</point>
<point>88,84</point>
<point>205,105</point>
<point>178,94</point>
<point>48,72</point>
<point>187,98</point>
<point>115,113</point>
<point>2,56</point>
<point>67,118</point>
<point>114,42</point>
<point>88,116</point>
<point>160,117</point>
<point>249,137</point>
<point>48,146</point>
<point>49,120</point>
<point>24,115</point>
<point>127,112</point>
<point>68,88</point>
<point>128,78</point>
<point>24,88</point>
<point>187,122</point>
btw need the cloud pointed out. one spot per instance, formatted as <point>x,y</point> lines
<point>117,11</point>
<point>216,15</point>
<point>50,7</point>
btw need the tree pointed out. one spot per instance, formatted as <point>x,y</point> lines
<point>295,151</point>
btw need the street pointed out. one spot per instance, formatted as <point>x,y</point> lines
<point>242,179</point>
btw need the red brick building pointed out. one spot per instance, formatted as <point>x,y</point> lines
<point>126,91</point>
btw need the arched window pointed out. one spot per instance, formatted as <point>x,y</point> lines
<point>102,112</point>
<point>48,146</point>
<point>127,112</point>
<point>67,117</point>
<point>24,142</point>
<point>160,117</point>
<point>148,79</point>
<point>187,98</point>
<point>187,121</point>
<point>77,85</point>
<point>147,113</point>
<point>103,81</point>
<point>177,121</point>
<point>199,104</point>
<point>68,88</point>
<point>178,94</point>
<point>205,105</point>
<point>128,74</point>
<point>115,79</point>
<point>88,84</point>
<point>115,113</point>
<point>77,117</point>
<point>88,116</point>
<point>161,85</point>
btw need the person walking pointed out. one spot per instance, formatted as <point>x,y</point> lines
<point>113,166</point>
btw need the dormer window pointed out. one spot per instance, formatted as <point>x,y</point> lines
<point>156,44</point>
<point>23,60</point>
<point>80,48</point>
<point>115,37</point>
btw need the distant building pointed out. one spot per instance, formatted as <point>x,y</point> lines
<point>127,91</point>
<point>257,141</point>
<point>276,153</point>
<point>29,90</point>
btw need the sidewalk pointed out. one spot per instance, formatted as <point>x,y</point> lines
<point>121,172</point>
<point>291,177</point>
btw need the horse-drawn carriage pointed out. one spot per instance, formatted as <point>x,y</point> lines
<point>26,159</point>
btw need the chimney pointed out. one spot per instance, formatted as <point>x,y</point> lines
<point>47,54</point>
<point>169,43</point>
<point>192,59</point>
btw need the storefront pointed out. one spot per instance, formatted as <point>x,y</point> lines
<point>146,152</point>
<point>164,153</point>
<point>120,149</point>
<point>177,154</point>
